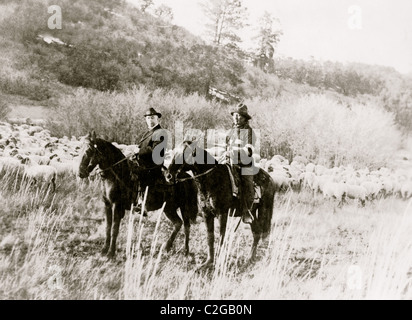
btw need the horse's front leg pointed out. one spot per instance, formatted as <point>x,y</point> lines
<point>222,221</point>
<point>170,212</point>
<point>187,236</point>
<point>108,212</point>
<point>117,216</point>
<point>210,226</point>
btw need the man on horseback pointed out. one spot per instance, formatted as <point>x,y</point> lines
<point>150,153</point>
<point>240,143</point>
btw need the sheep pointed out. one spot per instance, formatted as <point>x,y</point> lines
<point>282,182</point>
<point>319,182</point>
<point>300,159</point>
<point>387,186</point>
<point>406,190</point>
<point>373,188</point>
<point>281,178</point>
<point>310,167</point>
<point>307,179</point>
<point>356,192</point>
<point>319,169</point>
<point>34,158</point>
<point>39,172</point>
<point>334,190</point>
<point>262,163</point>
<point>10,164</point>
<point>66,166</point>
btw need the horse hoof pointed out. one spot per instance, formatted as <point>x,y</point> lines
<point>167,247</point>
<point>111,255</point>
<point>104,251</point>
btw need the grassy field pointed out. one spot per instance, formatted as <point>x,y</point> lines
<point>50,249</point>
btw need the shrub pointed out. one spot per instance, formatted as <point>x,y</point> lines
<point>4,110</point>
<point>327,132</point>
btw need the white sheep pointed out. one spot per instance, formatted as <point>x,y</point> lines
<point>64,166</point>
<point>282,180</point>
<point>45,173</point>
<point>301,160</point>
<point>307,179</point>
<point>334,190</point>
<point>320,170</point>
<point>10,164</point>
<point>356,192</point>
<point>406,189</point>
<point>373,189</point>
<point>310,167</point>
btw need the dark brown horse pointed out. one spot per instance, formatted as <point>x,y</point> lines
<point>118,189</point>
<point>215,190</point>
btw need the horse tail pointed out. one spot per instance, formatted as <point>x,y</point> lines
<point>266,209</point>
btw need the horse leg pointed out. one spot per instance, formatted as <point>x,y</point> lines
<point>222,222</point>
<point>177,224</point>
<point>108,212</point>
<point>53,182</point>
<point>187,235</point>
<point>210,226</point>
<point>117,216</point>
<point>256,238</point>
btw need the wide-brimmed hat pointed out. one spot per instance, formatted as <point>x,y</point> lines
<point>152,112</point>
<point>242,110</point>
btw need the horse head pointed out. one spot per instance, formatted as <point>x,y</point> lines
<point>91,157</point>
<point>191,158</point>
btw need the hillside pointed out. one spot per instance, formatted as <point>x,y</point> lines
<point>109,53</point>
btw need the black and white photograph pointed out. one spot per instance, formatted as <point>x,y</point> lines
<point>223,152</point>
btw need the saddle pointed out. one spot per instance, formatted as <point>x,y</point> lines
<point>235,174</point>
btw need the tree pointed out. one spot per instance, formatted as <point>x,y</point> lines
<point>227,18</point>
<point>267,39</point>
<point>145,4</point>
<point>268,36</point>
<point>164,12</point>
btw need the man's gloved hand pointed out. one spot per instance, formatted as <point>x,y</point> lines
<point>135,155</point>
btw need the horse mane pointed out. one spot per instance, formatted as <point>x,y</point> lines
<point>207,158</point>
<point>110,149</point>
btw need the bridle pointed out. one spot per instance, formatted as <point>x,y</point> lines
<point>180,169</point>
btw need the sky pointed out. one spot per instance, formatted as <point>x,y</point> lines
<point>367,31</point>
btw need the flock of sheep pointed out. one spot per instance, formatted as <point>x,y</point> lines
<point>339,182</point>
<point>31,150</point>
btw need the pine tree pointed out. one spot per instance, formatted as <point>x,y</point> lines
<point>227,18</point>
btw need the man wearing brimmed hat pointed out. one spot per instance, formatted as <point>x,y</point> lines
<point>151,149</point>
<point>240,143</point>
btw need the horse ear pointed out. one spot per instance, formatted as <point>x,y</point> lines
<point>88,136</point>
<point>193,146</point>
<point>93,136</point>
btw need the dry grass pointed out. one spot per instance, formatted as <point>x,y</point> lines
<point>50,249</point>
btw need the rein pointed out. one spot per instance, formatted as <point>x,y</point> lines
<point>196,176</point>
